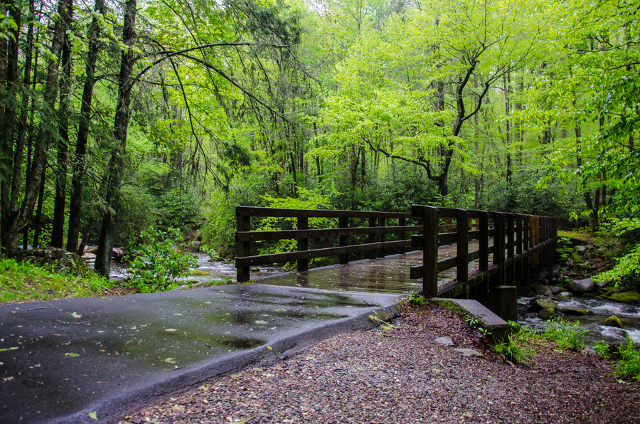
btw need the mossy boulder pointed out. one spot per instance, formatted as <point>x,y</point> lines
<point>613,321</point>
<point>53,258</point>
<point>628,296</point>
<point>546,308</point>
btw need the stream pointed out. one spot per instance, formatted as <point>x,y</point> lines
<point>629,314</point>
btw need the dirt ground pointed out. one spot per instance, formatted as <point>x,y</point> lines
<point>401,375</point>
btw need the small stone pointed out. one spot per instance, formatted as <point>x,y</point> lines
<point>613,321</point>
<point>469,352</point>
<point>581,286</point>
<point>581,249</point>
<point>565,294</point>
<point>446,341</point>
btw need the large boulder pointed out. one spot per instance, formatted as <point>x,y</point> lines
<point>543,290</point>
<point>53,258</point>
<point>628,296</point>
<point>540,274</point>
<point>546,308</point>
<point>536,305</point>
<point>581,286</point>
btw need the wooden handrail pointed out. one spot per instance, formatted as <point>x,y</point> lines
<point>520,241</point>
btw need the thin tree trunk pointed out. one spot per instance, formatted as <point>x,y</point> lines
<point>116,164</point>
<point>506,79</point>
<point>79,164</point>
<point>38,220</point>
<point>14,221</point>
<point>57,231</point>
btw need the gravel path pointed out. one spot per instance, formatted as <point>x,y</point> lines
<point>401,375</point>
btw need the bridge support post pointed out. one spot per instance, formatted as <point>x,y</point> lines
<point>503,301</point>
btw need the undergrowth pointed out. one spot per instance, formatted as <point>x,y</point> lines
<point>518,347</point>
<point>20,282</point>
<point>567,335</point>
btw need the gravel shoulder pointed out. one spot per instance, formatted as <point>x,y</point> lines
<point>401,375</point>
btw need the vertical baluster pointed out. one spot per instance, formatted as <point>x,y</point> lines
<point>343,222</point>
<point>303,243</point>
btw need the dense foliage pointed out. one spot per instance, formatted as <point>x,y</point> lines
<point>117,115</point>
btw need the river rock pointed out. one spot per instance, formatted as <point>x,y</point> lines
<point>194,246</point>
<point>613,321</point>
<point>546,314</point>
<point>555,290</point>
<point>540,274</point>
<point>581,286</point>
<point>628,296</point>
<point>538,304</point>
<point>565,294</point>
<point>555,271</point>
<point>543,290</point>
<point>574,311</point>
<point>581,249</point>
<point>52,257</point>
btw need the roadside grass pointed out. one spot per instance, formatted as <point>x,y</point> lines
<point>23,282</point>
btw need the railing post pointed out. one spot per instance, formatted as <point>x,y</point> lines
<point>510,272</point>
<point>343,222</point>
<point>430,251</point>
<point>483,241</point>
<point>243,223</point>
<point>527,244</point>
<point>498,243</point>
<point>402,235</point>
<point>462,246</point>
<point>303,243</point>
<point>519,267</point>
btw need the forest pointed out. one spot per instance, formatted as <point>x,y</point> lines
<point>121,115</point>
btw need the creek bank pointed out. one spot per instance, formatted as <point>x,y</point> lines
<point>567,290</point>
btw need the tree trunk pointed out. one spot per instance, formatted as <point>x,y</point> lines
<point>14,220</point>
<point>121,124</point>
<point>79,165</point>
<point>57,231</point>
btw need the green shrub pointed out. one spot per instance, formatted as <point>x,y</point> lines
<point>517,348</point>
<point>602,349</point>
<point>157,265</point>
<point>416,299</point>
<point>567,335</point>
<point>629,364</point>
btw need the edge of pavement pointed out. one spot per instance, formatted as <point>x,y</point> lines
<point>112,410</point>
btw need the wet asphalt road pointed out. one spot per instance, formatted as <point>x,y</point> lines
<point>62,361</point>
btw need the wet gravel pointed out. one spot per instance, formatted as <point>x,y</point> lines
<point>401,375</point>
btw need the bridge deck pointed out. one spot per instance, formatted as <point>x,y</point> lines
<point>389,274</point>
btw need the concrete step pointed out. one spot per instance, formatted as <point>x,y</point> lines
<point>498,327</point>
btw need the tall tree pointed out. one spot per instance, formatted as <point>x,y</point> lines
<point>121,125</point>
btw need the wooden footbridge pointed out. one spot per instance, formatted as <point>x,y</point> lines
<point>499,248</point>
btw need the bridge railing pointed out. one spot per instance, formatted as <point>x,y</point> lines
<point>520,242</point>
<point>376,244</point>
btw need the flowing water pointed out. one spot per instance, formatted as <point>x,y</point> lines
<point>600,310</point>
<point>384,275</point>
